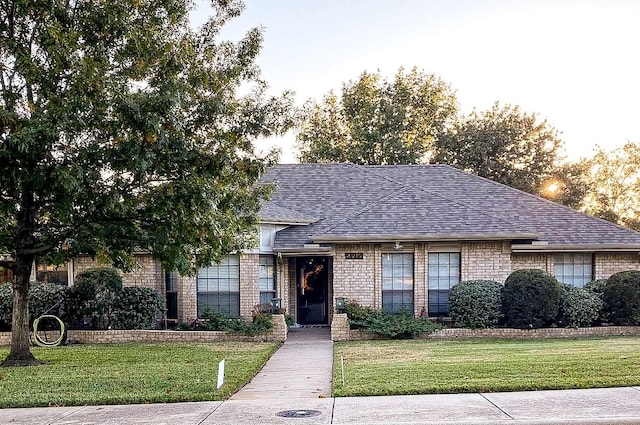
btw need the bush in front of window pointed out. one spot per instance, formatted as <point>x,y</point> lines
<point>579,307</point>
<point>210,320</point>
<point>476,304</point>
<point>6,306</point>
<point>621,297</point>
<point>531,299</point>
<point>92,297</point>
<point>42,297</point>
<point>137,308</point>
<point>398,325</point>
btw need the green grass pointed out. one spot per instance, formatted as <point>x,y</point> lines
<point>131,373</point>
<point>480,365</point>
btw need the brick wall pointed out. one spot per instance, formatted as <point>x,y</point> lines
<point>451,333</point>
<point>148,273</point>
<point>420,278</point>
<point>187,298</point>
<point>249,289</point>
<point>541,261</point>
<point>277,334</point>
<point>614,262</point>
<point>356,279</point>
<point>486,260</point>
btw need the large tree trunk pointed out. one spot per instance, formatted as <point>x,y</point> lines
<point>20,354</point>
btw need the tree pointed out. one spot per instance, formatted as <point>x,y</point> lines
<point>568,184</point>
<point>613,181</point>
<point>502,144</point>
<point>376,121</point>
<point>122,131</point>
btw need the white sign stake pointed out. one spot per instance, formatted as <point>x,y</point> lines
<point>220,374</point>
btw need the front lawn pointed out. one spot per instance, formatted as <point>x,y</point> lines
<point>131,373</point>
<point>481,365</point>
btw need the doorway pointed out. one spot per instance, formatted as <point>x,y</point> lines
<point>312,289</point>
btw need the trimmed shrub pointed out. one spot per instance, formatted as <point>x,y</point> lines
<point>579,307</point>
<point>45,296</point>
<point>42,297</point>
<point>621,297</point>
<point>137,308</point>
<point>399,325</point>
<point>531,299</point>
<point>93,295</point>
<point>476,304</point>
<point>596,287</point>
<point>213,321</point>
<point>6,306</point>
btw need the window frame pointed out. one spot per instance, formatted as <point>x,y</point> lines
<point>220,283</point>
<point>435,287</point>
<point>396,286</point>
<point>570,278</point>
<point>264,263</point>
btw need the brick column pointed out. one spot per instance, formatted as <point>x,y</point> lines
<point>187,298</point>
<point>249,290</point>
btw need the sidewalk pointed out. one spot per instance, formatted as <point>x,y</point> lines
<point>294,387</point>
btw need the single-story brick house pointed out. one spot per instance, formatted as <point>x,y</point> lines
<point>390,237</point>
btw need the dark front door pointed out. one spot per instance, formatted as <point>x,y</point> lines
<point>313,288</point>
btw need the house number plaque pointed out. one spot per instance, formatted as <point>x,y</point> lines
<point>353,255</point>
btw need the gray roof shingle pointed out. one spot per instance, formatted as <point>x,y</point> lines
<point>421,202</point>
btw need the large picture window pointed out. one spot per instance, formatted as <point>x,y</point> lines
<point>52,274</point>
<point>266,278</point>
<point>219,287</point>
<point>444,273</point>
<point>397,282</point>
<point>573,268</point>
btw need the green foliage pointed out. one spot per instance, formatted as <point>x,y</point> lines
<point>376,121</point>
<point>621,297</point>
<point>214,321</point>
<point>476,304</point>
<point>123,129</point>
<point>612,180</point>
<point>579,307</point>
<point>93,297</point>
<point>6,306</point>
<point>400,325</point>
<point>502,144</point>
<point>531,299</point>
<point>44,296</point>
<point>137,308</point>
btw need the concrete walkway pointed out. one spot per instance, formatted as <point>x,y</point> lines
<point>301,368</point>
<point>595,406</point>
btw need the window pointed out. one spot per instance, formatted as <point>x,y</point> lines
<point>219,287</point>
<point>397,282</point>
<point>171,294</point>
<point>52,274</point>
<point>266,279</point>
<point>573,268</point>
<point>6,275</point>
<point>444,272</point>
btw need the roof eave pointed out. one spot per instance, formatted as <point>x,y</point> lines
<point>285,221</point>
<point>575,247</point>
<point>442,237</point>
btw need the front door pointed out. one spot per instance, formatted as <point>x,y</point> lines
<point>313,290</point>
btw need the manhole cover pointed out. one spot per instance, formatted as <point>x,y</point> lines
<point>298,413</point>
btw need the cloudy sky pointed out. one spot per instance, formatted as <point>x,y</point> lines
<point>574,62</point>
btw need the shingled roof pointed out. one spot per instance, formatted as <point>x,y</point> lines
<point>352,203</point>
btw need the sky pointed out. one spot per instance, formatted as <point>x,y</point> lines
<point>575,63</point>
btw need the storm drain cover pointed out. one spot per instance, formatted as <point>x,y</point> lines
<point>298,413</point>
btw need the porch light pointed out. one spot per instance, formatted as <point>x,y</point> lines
<point>276,304</point>
<point>340,304</point>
